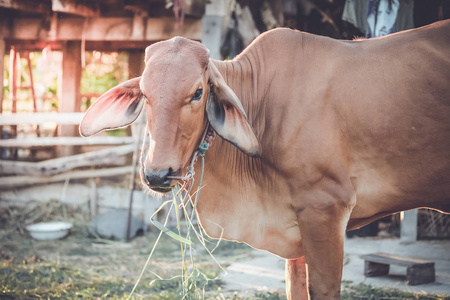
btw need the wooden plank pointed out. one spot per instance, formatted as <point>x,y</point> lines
<point>39,118</point>
<point>33,45</point>
<point>64,164</point>
<point>16,181</point>
<point>389,259</point>
<point>76,8</point>
<point>65,141</point>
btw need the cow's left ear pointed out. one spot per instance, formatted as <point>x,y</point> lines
<point>227,116</point>
<point>118,107</point>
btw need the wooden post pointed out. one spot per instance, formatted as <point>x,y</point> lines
<point>2,72</point>
<point>408,225</point>
<point>136,65</point>
<point>70,100</point>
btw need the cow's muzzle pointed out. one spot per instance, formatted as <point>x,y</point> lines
<point>159,181</point>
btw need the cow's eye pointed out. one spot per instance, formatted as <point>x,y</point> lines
<point>197,95</point>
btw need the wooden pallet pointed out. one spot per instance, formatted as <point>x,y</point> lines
<point>418,271</point>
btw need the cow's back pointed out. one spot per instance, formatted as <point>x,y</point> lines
<point>395,108</point>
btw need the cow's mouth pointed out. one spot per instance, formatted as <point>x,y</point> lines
<point>162,189</point>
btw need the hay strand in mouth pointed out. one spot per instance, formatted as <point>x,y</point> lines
<point>190,274</point>
<point>149,256</point>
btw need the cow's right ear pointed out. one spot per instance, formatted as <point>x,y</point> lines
<point>118,107</point>
<point>227,116</point>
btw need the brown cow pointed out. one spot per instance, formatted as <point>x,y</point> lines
<point>318,136</point>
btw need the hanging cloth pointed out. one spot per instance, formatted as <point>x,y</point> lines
<point>381,17</point>
<point>232,44</point>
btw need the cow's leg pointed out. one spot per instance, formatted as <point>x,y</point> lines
<point>297,279</point>
<point>322,221</point>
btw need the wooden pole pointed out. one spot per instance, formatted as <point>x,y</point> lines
<point>70,100</point>
<point>30,75</point>
<point>33,94</point>
<point>13,94</point>
<point>2,72</point>
<point>107,156</point>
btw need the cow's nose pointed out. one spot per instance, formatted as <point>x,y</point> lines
<point>158,180</point>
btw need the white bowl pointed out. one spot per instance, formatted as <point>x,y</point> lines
<point>49,230</point>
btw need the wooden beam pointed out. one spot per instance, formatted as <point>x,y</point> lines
<point>70,99</point>
<point>71,78</point>
<point>32,45</point>
<point>15,181</point>
<point>76,8</point>
<point>165,28</point>
<point>65,141</point>
<point>41,6</point>
<point>38,45</point>
<point>106,29</point>
<point>64,164</point>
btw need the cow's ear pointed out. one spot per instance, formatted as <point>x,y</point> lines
<point>118,107</point>
<point>227,116</point>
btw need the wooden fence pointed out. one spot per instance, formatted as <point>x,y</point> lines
<point>18,173</point>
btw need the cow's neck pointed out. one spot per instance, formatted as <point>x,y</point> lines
<point>245,78</point>
<point>253,78</point>
<point>258,192</point>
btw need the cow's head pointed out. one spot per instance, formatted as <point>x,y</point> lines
<point>180,89</point>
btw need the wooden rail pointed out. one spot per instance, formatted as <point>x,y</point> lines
<point>39,118</point>
<point>18,173</point>
<point>64,164</point>
<point>65,141</point>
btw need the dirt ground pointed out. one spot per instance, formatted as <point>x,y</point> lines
<point>84,266</point>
